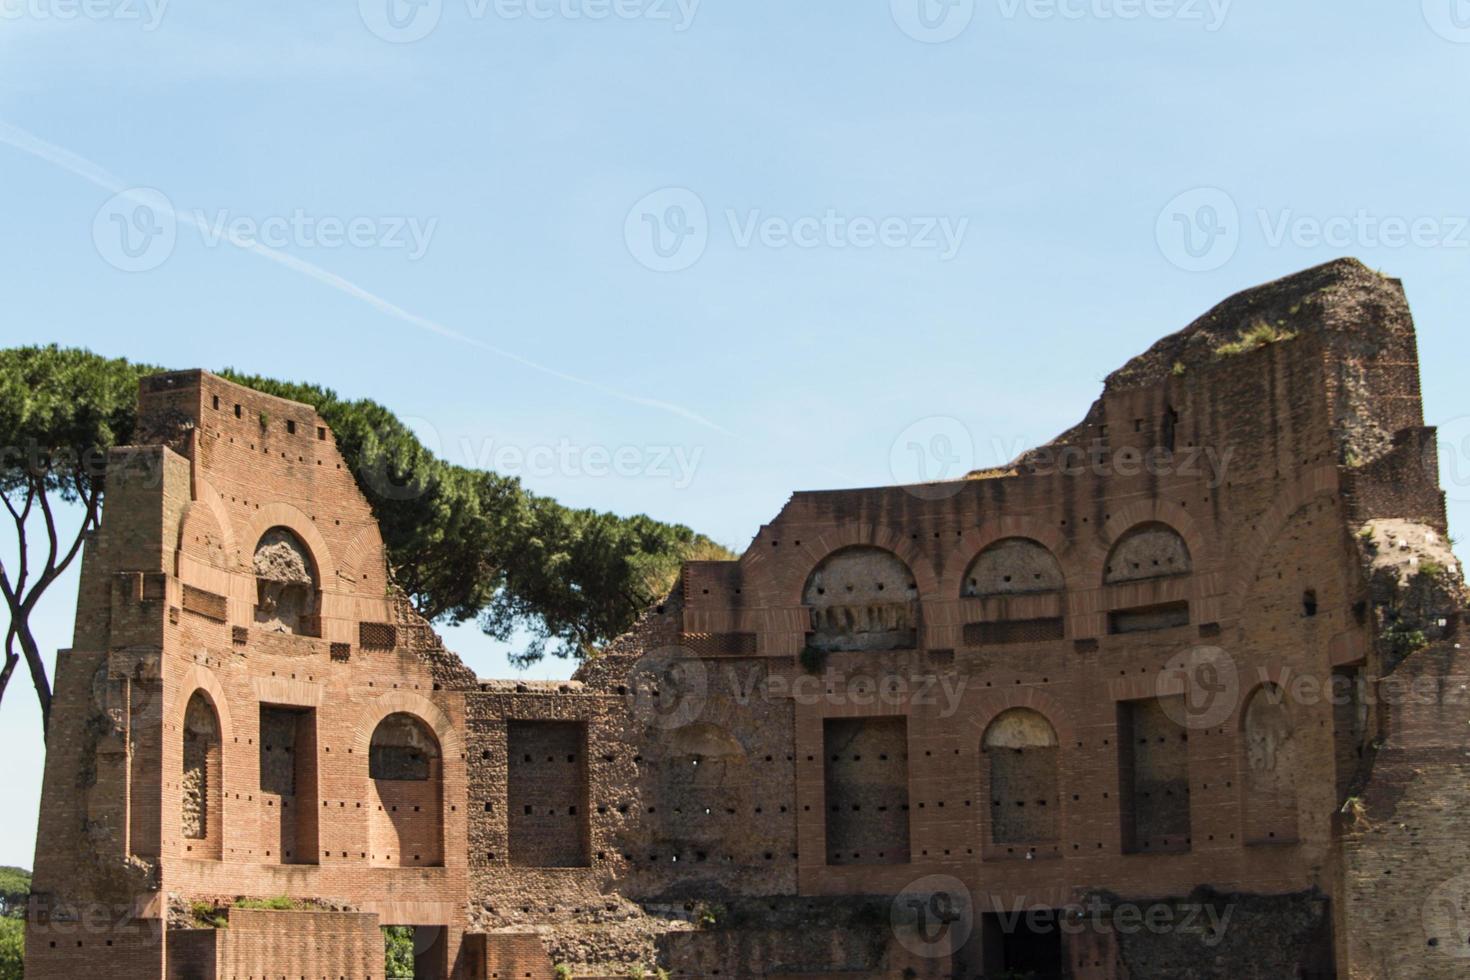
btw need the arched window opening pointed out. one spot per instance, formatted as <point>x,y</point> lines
<point>286,584</point>
<point>862,598</point>
<point>1020,754</point>
<point>199,786</point>
<point>1147,551</point>
<point>403,748</point>
<point>405,766</point>
<point>1013,566</point>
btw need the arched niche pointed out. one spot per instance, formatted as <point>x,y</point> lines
<point>1272,766</point>
<point>1019,752</point>
<point>200,792</point>
<point>287,586</point>
<point>862,598</point>
<point>1146,551</point>
<point>1013,566</point>
<point>406,772</point>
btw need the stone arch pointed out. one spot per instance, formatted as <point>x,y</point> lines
<point>862,597</point>
<point>1309,485</point>
<point>1271,764</point>
<point>993,703</point>
<point>1020,762</point>
<point>205,518</point>
<point>977,540</point>
<point>779,562</point>
<point>1148,511</point>
<point>284,515</point>
<point>1013,566</point>
<point>196,679</point>
<point>361,564</point>
<point>288,584</point>
<point>402,747</point>
<point>1148,550</point>
<point>406,802</point>
<point>407,702</point>
<point>201,792</point>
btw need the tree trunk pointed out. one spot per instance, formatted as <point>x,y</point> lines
<point>37,665</point>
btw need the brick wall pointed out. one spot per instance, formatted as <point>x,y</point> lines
<point>782,734</point>
<point>867,790</point>
<point>546,794</point>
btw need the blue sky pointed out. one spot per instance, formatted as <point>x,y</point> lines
<point>684,258</point>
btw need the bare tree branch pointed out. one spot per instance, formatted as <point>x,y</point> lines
<point>11,659</point>
<point>23,571</point>
<point>51,543</point>
<point>37,665</point>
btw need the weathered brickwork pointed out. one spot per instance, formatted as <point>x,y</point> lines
<point>1194,664</point>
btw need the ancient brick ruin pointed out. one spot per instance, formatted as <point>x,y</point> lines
<point>1180,694</point>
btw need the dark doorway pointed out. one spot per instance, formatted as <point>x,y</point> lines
<point>1025,943</point>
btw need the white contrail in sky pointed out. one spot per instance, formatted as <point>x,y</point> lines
<point>28,142</point>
